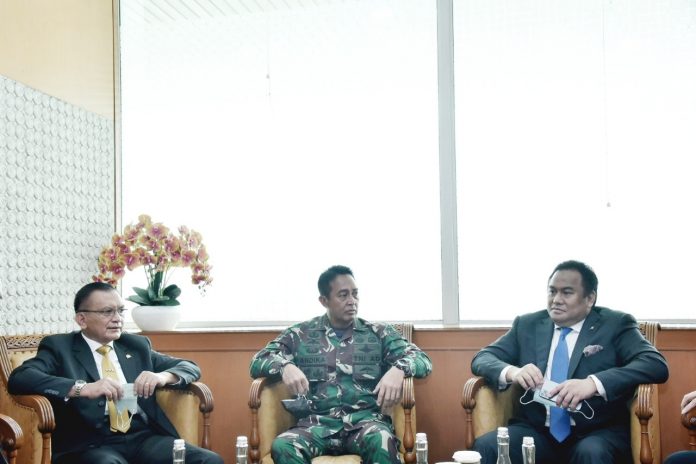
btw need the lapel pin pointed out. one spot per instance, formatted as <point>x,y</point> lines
<point>128,356</point>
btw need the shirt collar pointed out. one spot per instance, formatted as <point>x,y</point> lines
<point>94,345</point>
<point>575,328</point>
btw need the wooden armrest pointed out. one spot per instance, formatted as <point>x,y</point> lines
<point>689,421</point>
<point>11,437</point>
<point>254,404</point>
<point>185,418</point>
<point>43,409</point>
<point>268,417</point>
<point>204,395</point>
<point>408,401</point>
<point>645,431</point>
<point>34,414</point>
<point>486,408</point>
<point>469,392</point>
<point>644,412</point>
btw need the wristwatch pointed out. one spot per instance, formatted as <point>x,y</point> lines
<point>79,385</point>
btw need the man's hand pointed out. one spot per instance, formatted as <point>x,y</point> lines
<point>688,402</point>
<point>389,388</point>
<point>572,392</point>
<point>109,388</point>
<point>528,376</point>
<point>295,379</point>
<point>146,383</point>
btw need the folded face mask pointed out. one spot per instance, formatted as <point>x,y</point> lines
<point>298,407</point>
<point>129,400</point>
<point>542,396</point>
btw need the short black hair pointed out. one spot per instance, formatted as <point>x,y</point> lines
<point>329,275</point>
<point>589,278</point>
<point>84,293</point>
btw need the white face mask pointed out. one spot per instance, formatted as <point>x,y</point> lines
<point>541,396</point>
<point>129,400</point>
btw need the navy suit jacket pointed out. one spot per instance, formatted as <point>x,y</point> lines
<point>63,359</point>
<point>626,360</point>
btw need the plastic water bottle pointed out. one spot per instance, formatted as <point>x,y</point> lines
<point>528,450</point>
<point>179,452</point>
<point>421,448</point>
<point>503,446</point>
<point>242,448</point>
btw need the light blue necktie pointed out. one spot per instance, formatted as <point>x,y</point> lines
<point>560,419</point>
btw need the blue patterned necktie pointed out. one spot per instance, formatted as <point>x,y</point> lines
<point>559,422</point>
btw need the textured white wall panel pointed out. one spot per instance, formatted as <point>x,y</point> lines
<point>56,206</point>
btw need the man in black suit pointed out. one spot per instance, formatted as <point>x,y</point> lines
<point>68,370</point>
<point>602,358</point>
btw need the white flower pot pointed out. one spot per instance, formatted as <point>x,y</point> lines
<point>156,318</point>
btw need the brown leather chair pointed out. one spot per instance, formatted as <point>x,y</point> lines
<point>11,438</point>
<point>189,409</point>
<point>486,409</point>
<point>269,418</point>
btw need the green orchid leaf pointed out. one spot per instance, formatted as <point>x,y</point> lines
<point>157,282</point>
<point>173,291</point>
<point>139,300</point>
<point>141,292</point>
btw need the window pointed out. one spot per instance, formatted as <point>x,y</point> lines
<point>293,138</point>
<point>297,135</point>
<point>575,141</point>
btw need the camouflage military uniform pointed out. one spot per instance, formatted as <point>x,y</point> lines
<point>343,372</point>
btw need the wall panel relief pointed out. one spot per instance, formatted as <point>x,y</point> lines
<point>56,206</point>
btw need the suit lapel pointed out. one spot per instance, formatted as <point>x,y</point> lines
<point>128,362</point>
<point>84,355</point>
<point>589,329</point>
<point>544,334</point>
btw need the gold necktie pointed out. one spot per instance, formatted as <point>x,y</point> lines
<point>120,422</point>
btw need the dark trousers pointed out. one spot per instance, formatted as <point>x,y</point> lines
<point>603,446</point>
<point>140,445</point>
<point>682,457</point>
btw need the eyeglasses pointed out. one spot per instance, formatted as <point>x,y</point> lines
<point>106,313</point>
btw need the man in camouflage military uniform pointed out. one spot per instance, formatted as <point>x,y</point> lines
<point>350,370</point>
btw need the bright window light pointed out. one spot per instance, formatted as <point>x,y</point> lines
<point>575,140</point>
<point>293,137</point>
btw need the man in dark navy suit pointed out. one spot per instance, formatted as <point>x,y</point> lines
<point>83,372</point>
<point>602,357</point>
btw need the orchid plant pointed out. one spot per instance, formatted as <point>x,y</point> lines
<point>154,247</point>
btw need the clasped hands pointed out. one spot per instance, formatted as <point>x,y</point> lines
<point>388,390</point>
<point>688,402</point>
<point>570,393</point>
<point>144,386</point>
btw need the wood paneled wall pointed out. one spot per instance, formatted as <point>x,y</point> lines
<point>224,359</point>
<point>63,48</point>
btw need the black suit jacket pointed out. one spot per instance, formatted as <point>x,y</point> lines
<point>625,360</point>
<point>63,359</point>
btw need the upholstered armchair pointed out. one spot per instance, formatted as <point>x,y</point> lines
<point>189,409</point>
<point>487,408</point>
<point>11,438</point>
<point>269,418</point>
